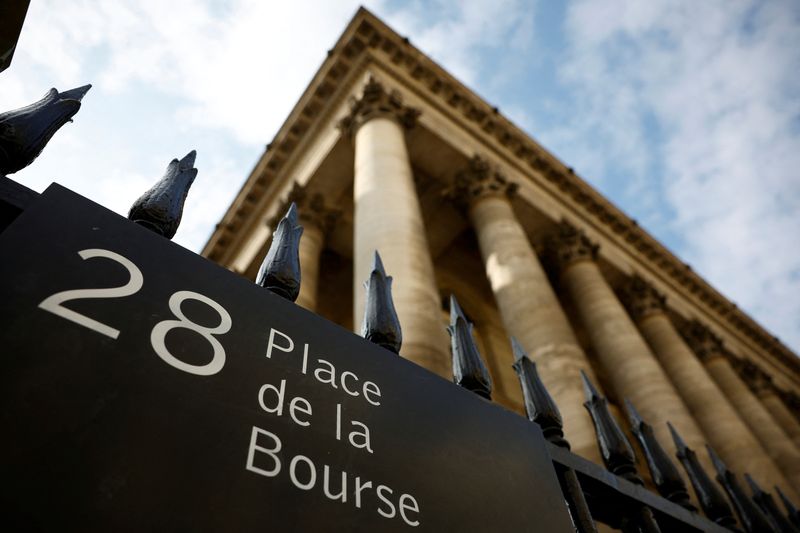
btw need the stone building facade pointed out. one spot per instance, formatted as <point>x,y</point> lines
<point>387,151</point>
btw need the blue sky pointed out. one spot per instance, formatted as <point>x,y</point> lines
<point>685,114</point>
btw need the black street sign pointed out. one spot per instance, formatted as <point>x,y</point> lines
<point>144,388</point>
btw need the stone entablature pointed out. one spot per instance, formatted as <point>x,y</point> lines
<point>376,101</point>
<point>367,38</point>
<point>478,180</point>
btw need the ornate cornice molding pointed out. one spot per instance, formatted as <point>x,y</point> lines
<point>376,101</point>
<point>570,245</point>
<point>367,35</point>
<point>642,299</point>
<point>479,179</point>
<point>311,208</point>
<point>705,345</point>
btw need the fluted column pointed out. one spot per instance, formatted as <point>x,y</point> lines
<point>773,439</point>
<point>726,431</point>
<point>632,368</point>
<point>316,218</point>
<point>528,306</point>
<point>388,218</point>
<point>761,385</point>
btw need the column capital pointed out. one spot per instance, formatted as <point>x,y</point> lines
<point>312,209</point>
<point>570,245</point>
<point>642,299</point>
<point>478,179</point>
<point>376,101</point>
<point>705,345</point>
<point>756,379</point>
<point>791,399</point>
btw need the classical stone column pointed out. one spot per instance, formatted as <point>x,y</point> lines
<point>726,432</point>
<point>528,306</point>
<point>761,385</point>
<point>632,368</point>
<point>388,218</point>
<point>773,439</point>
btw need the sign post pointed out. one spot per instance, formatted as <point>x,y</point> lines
<point>146,388</point>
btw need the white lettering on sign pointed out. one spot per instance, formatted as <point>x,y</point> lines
<point>302,472</point>
<point>158,336</point>
<point>53,302</point>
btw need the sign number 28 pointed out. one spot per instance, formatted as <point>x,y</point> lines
<point>53,304</point>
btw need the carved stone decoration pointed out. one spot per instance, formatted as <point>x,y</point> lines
<point>642,299</point>
<point>665,474</point>
<point>280,271</point>
<point>711,499</point>
<point>160,208</point>
<point>479,179</point>
<point>756,379</point>
<point>24,132</point>
<point>538,403</point>
<point>312,209</point>
<point>570,245</point>
<point>791,510</point>
<point>750,515</point>
<point>705,345</point>
<point>469,371</point>
<point>767,504</point>
<point>616,451</point>
<point>791,400</point>
<point>376,101</point>
<point>381,325</point>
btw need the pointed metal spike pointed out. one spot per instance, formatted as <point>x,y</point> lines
<point>716,461</point>
<point>160,209</point>
<point>711,499</point>
<point>750,515</point>
<point>469,370</point>
<point>75,94</point>
<point>754,488</point>
<point>381,325</point>
<point>676,438</point>
<point>588,387</point>
<point>280,271</point>
<point>188,160</point>
<point>616,451</point>
<point>538,403</point>
<point>663,471</point>
<point>791,510</point>
<point>519,351</point>
<point>24,132</point>
<point>377,264</point>
<point>633,415</point>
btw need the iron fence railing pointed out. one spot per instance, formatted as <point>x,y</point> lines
<point>614,495</point>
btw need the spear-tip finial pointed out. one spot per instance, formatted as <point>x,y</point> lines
<point>589,389</point>
<point>280,271</point>
<point>381,325</point>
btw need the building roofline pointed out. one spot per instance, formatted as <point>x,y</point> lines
<point>367,32</point>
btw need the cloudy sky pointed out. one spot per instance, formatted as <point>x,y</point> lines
<point>685,114</point>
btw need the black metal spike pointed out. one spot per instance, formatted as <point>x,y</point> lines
<point>280,271</point>
<point>615,449</point>
<point>468,368</point>
<point>711,499</point>
<point>750,515</point>
<point>791,510</point>
<point>24,132</point>
<point>768,506</point>
<point>665,474</point>
<point>381,325</point>
<point>160,208</point>
<point>538,403</point>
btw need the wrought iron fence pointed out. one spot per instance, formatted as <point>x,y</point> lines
<point>614,495</point>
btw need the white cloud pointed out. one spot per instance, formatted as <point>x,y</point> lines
<point>719,80</point>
